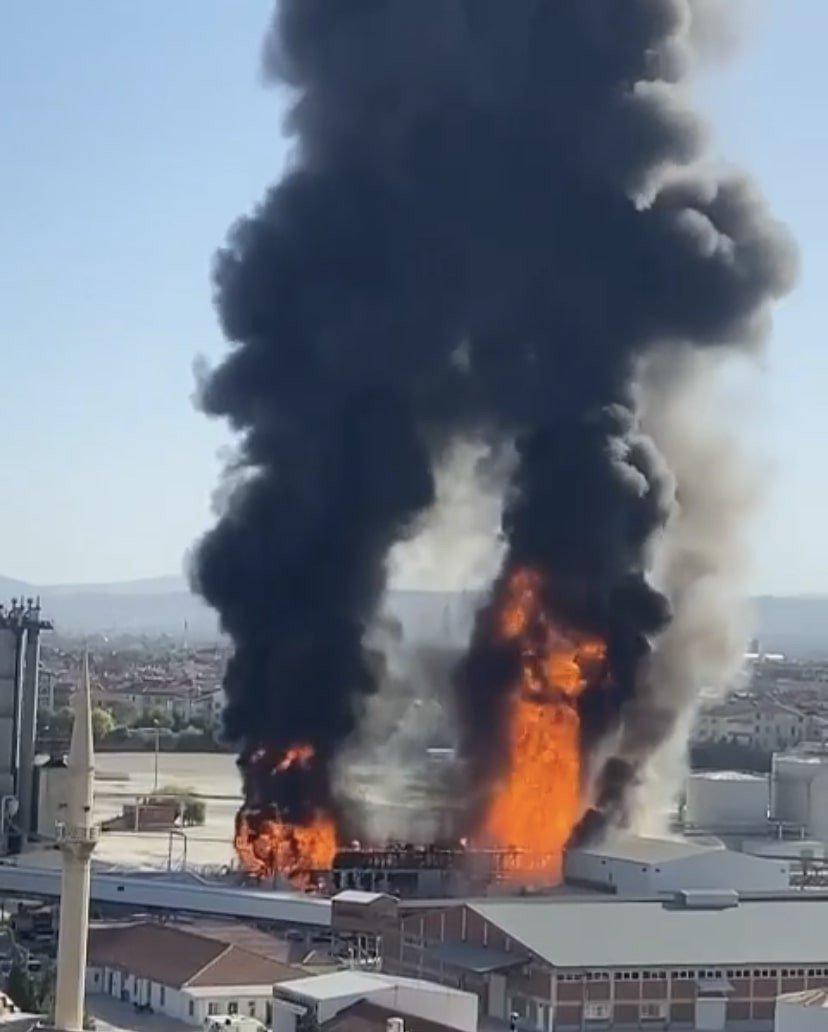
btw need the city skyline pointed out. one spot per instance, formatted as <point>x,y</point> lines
<point>136,142</point>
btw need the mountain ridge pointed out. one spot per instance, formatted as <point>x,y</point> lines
<point>164,605</point>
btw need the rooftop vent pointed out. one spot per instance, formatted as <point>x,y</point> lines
<point>706,899</point>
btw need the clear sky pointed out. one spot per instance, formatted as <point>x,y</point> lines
<point>132,135</point>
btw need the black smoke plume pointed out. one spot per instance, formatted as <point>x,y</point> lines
<point>477,236</point>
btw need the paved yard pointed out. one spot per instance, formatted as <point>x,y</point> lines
<point>113,1015</point>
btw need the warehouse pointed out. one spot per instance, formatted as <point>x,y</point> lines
<point>649,866</point>
<point>697,960</point>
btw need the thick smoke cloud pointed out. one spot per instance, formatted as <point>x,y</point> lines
<point>478,239</point>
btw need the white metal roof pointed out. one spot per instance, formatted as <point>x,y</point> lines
<point>627,933</point>
<point>360,897</point>
<point>641,850</point>
<point>350,983</point>
<point>727,775</point>
<point>334,985</point>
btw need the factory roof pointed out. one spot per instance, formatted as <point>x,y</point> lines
<point>359,897</point>
<point>650,850</point>
<point>623,933</point>
<point>333,986</point>
<point>727,775</point>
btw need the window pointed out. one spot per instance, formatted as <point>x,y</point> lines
<point>232,1006</point>
<point>597,1012</point>
<point>161,995</point>
<point>251,1008</point>
<point>212,1008</point>
<point>653,1011</point>
<point>191,1008</point>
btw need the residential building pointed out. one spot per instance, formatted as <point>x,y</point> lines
<point>188,973</point>
<point>703,960</point>
<point>760,723</point>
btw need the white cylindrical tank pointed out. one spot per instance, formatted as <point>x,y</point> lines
<point>792,778</point>
<point>802,1012</point>
<point>818,814</point>
<point>724,799</point>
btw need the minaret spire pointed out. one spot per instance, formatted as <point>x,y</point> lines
<point>77,838</point>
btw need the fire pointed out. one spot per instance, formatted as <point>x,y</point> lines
<point>540,802</point>
<point>296,756</point>
<point>267,845</point>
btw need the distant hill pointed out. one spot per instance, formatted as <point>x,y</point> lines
<point>797,626</point>
<point>161,605</point>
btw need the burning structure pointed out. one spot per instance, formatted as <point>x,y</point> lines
<point>495,228</point>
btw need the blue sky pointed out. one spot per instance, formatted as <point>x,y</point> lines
<point>133,134</point>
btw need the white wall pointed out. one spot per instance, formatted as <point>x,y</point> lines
<point>432,1003</point>
<point>222,998</point>
<point>793,1016</point>
<point>717,869</point>
<point>176,1002</point>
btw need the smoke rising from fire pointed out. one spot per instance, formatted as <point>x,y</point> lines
<point>493,218</point>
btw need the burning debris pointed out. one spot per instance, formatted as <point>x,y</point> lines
<point>494,220</point>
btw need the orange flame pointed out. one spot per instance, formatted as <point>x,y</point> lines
<point>536,808</point>
<point>267,846</point>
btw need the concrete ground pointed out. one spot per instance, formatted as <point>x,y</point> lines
<point>113,1015</point>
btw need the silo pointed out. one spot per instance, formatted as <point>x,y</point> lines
<point>818,815</point>
<point>806,1011</point>
<point>792,780</point>
<point>725,799</point>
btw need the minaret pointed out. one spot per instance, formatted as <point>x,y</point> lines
<point>77,838</point>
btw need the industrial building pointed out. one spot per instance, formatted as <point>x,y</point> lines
<point>696,960</point>
<point>332,996</point>
<point>750,810</point>
<point>20,629</point>
<point>650,866</point>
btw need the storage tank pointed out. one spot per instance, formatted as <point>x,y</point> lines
<point>818,814</point>
<point>724,799</point>
<point>792,779</point>
<point>802,1012</point>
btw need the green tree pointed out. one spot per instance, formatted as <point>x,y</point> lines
<point>62,721</point>
<point>154,718</point>
<point>22,989</point>
<point>195,811</point>
<point>103,723</point>
<point>45,720</point>
<point>192,809</point>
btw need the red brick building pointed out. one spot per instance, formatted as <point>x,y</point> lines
<point>565,963</point>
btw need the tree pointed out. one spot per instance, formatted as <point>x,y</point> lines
<point>63,720</point>
<point>22,989</point>
<point>191,808</point>
<point>155,718</point>
<point>45,720</point>
<point>195,811</point>
<point>103,723</point>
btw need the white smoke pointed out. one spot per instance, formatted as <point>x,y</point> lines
<point>458,546</point>
<point>692,406</point>
<point>386,775</point>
